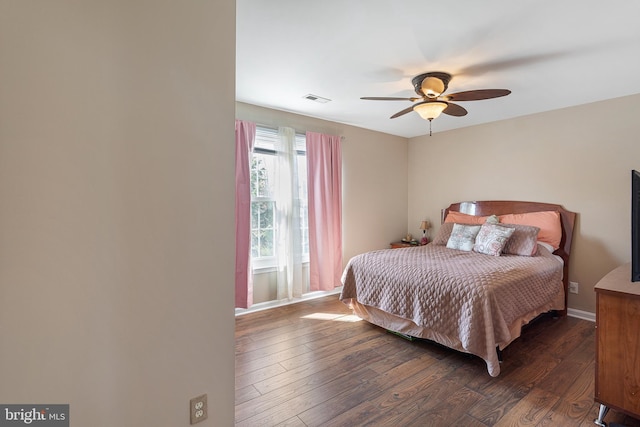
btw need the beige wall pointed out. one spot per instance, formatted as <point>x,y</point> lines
<point>579,157</point>
<point>116,191</point>
<point>374,175</point>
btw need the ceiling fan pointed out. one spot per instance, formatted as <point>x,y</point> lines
<point>430,87</point>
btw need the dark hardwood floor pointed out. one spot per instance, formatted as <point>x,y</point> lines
<point>315,364</point>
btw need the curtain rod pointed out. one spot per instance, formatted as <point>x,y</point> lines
<point>342,137</point>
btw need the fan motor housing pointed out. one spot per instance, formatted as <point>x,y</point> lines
<point>417,80</point>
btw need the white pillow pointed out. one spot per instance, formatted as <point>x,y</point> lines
<point>463,237</point>
<point>546,246</point>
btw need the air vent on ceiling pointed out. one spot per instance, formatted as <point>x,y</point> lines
<point>316,98</point>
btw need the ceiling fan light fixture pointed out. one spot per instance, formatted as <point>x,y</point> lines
<point>432,87</point>
<point>430,110</point>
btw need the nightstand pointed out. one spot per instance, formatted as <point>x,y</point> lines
<point>396,245</point>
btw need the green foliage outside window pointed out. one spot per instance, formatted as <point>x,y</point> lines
<point>262,209</point>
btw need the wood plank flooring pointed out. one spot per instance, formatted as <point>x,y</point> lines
<point>316,364</point>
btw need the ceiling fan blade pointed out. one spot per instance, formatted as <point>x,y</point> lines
<point>455,110</point>
<point>476,95</point>
<point>402,113</point>
<point>513,62</point>
<point>388,98</point>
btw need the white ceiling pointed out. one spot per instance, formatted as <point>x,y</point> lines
<point>550,53</point>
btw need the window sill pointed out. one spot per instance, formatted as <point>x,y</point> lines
<point>272,268</point>
<point>265,270</point>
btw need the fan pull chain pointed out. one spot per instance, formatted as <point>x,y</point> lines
<point>430,120</point>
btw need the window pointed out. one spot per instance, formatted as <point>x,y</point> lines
<point>263,198</point>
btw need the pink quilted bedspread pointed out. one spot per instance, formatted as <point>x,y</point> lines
<point>471,299</point>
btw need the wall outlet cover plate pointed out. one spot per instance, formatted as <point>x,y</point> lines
<point>198,408</point>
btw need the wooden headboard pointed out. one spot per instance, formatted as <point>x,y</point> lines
<point>502,207</point>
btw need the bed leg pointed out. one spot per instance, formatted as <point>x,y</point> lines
<point>499,354</point>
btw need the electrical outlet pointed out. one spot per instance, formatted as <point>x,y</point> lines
<point>573,287</point>
<point>198,408</point>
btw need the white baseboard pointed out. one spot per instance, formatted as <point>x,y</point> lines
<point>585,315</point>
<point>580,314</point>
<point>272,304</point>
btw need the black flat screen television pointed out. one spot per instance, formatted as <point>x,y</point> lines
<point>635,226</point>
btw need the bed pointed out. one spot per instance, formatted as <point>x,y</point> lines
<point>473,299</point>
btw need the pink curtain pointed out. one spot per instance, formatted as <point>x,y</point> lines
<point>324,169</point>
<point>245,138</point>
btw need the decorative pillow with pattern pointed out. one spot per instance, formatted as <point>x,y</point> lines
<point>523,241</point>
<point>493,219</point>
<point>463,237</point>
<point>492,238</point>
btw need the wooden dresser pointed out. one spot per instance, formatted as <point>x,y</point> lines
<point>617,384</point>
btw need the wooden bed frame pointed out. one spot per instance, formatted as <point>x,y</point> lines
<point>502,207</point>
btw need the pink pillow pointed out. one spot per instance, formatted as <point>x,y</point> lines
<point>442,236</point>
<point>462,218</point>
<point>523,241</point>
<point>548,222</point>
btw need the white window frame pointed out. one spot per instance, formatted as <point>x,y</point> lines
<point>264,144</point>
